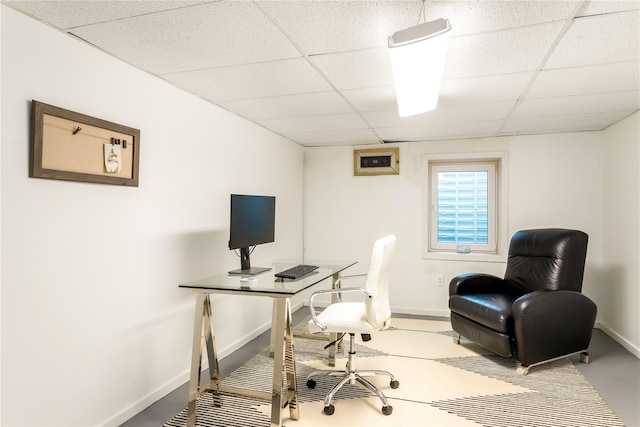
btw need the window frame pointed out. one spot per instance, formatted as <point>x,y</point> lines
<point>498,192</point>
<point>491,166</point>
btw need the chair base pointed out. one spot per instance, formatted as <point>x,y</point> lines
<point>584,358</point>
<point>456,337</point>
<point>352,375</point>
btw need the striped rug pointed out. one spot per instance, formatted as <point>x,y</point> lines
<point>441,384</point>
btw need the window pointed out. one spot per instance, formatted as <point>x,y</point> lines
<point>464,214</point>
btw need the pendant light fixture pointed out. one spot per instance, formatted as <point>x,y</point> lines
<point>418,56</point>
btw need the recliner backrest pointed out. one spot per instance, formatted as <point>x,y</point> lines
<point>378,309</point>
<point>550,258</point>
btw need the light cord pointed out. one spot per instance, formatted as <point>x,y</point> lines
<point>423,12</point>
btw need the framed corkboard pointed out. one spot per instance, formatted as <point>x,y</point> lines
<point>376,161</point>
<point>71,146</point>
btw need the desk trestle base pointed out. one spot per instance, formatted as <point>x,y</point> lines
<point>283,357</point>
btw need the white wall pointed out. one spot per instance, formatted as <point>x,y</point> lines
<point>1,9</point>
<point>94,326</point>
<point>621,254</point>
<point>554,181</point>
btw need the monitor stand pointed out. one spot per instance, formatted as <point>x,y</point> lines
<point>245,265</point>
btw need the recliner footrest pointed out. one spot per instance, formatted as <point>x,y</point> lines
<point>495,341</point>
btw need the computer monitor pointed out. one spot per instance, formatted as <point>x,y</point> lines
<point>252,223</point>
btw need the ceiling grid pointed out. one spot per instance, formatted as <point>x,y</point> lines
<point>318,72</point>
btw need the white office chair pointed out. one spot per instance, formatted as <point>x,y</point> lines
<point>373,314</point>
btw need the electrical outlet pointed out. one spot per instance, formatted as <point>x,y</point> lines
<point>439,280</point>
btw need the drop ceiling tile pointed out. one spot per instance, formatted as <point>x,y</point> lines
<point>305,104</point>
<point>356,69</point>
<point>443,114</point>
<point>390,118</point>
<point>568,123</point>
<point>322,27</point>
<point>608,6</point>
<point>589,41</point>
<point>315,123</point>
<point>619,77</point>
<point>286,77</point>
<point>580,104</point>
<point>470,17</point>
<point>509,51</point>
<point>439,131</point>
<point>372,98</point>
<point>70,14</point>
<point>475,90</point>
<point>341,137</point>
<point>472,90</point>
<point>204,36</point>
<point>335,26</point>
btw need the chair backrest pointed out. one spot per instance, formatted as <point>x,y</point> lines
<point>378,309</point>
<point>550,258</point>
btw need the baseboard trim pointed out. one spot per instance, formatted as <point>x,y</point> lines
<point>142,404</point>
<point>419,312</point>
<point>619,339</point>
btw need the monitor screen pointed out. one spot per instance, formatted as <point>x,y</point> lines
<point>252,223</point>
<point>252,220</point>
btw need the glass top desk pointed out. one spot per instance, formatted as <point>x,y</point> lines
<point>281,290</point>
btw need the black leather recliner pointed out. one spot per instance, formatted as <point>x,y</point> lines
<point>537,311</point>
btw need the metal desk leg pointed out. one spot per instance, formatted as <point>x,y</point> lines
<point>331,361</point>
<point>283,364</point>
<point>272,338</point>
<point>202,334</point>
<point>290,365</point>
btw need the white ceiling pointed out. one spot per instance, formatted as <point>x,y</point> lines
<point>318,72</point>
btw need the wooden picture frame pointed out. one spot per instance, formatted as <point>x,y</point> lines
<point>71,146</point>
<point>376,161</point>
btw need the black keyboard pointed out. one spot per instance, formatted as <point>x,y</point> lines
<point>297,271</point>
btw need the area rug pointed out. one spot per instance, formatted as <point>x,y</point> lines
<point>441,384</point>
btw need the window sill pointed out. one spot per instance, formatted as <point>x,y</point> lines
<point>470,257</point>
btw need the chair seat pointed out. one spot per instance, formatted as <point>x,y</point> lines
<point>343,317</point>
<point>490,310</point>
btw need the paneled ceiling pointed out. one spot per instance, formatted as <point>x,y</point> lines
<point>317,72</point>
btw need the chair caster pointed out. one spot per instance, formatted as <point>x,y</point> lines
<point>329,410</point>
<point>311,383</point>
<point>394,384</point>
<point>387,410</point>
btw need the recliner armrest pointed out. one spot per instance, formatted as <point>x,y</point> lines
<point>475,283</point>
<point>552,305</point>
<point>548,324</point>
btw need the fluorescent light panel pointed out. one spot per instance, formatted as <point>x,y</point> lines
<point>418,55</point>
